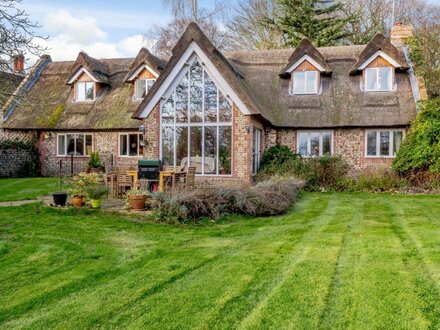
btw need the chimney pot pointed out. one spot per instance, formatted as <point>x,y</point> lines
<point>399,32</point>
<point>19,63</point>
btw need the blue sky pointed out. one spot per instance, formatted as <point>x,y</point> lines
<point>102,28</point>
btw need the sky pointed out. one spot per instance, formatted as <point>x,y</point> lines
<point>104,29</point>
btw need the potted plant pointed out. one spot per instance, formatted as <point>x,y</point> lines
<point>60,197</point>
<point>77,189</point>
<point>225,164</point>
<point>137,198</point>
<point>96,192</point>
<point>94,163</point>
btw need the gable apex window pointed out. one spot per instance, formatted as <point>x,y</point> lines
<point>305,82</point>
<point>379,79</point>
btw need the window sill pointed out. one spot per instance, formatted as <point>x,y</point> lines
<point>380,157</point>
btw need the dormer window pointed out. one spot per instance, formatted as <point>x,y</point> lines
<point>378,79</point>
<point>305,82</point>
<point>142,86</point>
<point>84,91</point>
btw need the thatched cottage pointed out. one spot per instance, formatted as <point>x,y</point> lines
<point>219,112</point>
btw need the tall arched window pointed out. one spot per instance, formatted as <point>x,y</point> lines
<point>196,125</point>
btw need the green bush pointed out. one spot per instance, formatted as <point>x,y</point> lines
<point>420,152</point>
<point>95,160</point>
<point>375,180</point>
<point>266,198</point>
<point>276,156</point>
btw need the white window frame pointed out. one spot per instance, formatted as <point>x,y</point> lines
<point>146,87</point>
<point>203,123</point>
<point>391,142</point>
<point>127,134</point>
<point>306,74</point>
<point>309,144</point>
<point>65,143</point>
<point>376,69</point>
<point>85,89</point>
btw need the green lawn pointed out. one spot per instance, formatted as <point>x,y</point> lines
<point>358,261</point>
<point>29,188</point>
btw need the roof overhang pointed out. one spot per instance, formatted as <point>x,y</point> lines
<point>139,70</point>
<point>78,73</point>
<point>308,59</point>
<point>379,53</point>
<point>182,63</point>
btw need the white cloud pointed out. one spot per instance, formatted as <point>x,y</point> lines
<point>69,34</point>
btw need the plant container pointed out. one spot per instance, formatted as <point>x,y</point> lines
<point>137,202</point>
<point>96,203</point>
<point>59,199</point>
<point>77,201</point>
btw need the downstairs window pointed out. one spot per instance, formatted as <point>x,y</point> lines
<point>315,143</point>
<point>74,144</point>
<point>383,143</point>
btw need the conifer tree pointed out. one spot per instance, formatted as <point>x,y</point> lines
<point>321,21</point>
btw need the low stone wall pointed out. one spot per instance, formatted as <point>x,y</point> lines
<point>18,163</point>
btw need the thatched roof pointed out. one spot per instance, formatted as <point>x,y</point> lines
<point>342,103</point>
<point>8,84</point>
<point>49,104</point>
<point>305,48</point>
<point>380,43</point>
<point>144,57</point>
<point>96,68</point>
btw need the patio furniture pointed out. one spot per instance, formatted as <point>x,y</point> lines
<point>134,174</point>
<point>125,182</point>
<point>112,184</point>
<point>166,177</point>
<point>191,177</point>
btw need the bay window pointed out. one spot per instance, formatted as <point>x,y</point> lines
<point>142,86</point>
<point>131,144</point>
<point>315,143</point>
<point>84,91</point>
<point>383,143</point>
<point>196,125</point>
<point>77,144</point>
<point>378,79</point>
<point>305,82</point>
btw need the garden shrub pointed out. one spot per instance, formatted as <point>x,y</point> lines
<point>375,180</point>
<point>420,151</point>
<point>266,198</point>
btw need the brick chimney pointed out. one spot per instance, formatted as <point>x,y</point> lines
<point>399,32</point>
<point>18,63</point>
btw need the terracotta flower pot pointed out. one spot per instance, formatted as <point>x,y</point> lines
<point>96,170</point>
<point>77,201</point>
<point>137,202</point>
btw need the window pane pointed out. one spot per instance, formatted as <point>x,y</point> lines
<point>371,79</point>
<point>90,86</point>
<point>384,79</point>
<point>182,147</point>
<point>123,148</point>
<point>70,144</point>
<point>210,149</point>
<point>314,144</point>
<point>133,144</point>
<point>385,143</point>
<point>210,100</point>
<point>150,83</point>
<point>141,145</point>
<point>302,144</point>
<point>168,146</point>
<point>79,141</point>
<point>371,143</point>
<point>140,88</point>
<point>61,145</point>
<point>397,141</point>
<point>326,143</point>
<point>299,86</point>
<point>311,77</point>
<point>80,91</point>
<point>225,110</point>
<point>225,147</point>
<point>168,111</point>
<point>182,101</point>
<point>89,144</point>
<point>196,96</point>
<point>195,148</point>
